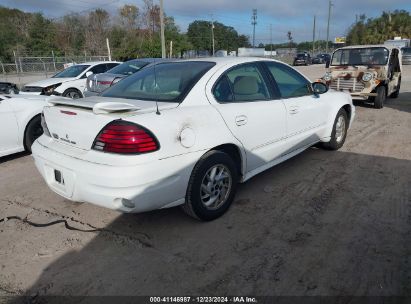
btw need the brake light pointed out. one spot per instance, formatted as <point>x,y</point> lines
<point>125,138</point>
<point>104,82</point>
<point>44,126</point>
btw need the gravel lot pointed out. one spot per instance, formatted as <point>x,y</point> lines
<point>322,223</point>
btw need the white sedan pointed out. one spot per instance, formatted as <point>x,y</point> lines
<point>185,133</point>
<point>20,122</point>
<point>70,82</point>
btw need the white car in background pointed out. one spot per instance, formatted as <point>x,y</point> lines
<point>185,133</point>
<point>70,82</point>
<point>20,122</point>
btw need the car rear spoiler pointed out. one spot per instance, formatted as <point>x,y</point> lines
<point>96,107</point>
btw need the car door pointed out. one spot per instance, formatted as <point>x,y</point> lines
<point>253,112</point>
<point>394,69</point>
<point>306,112</point>
<point>8,127</point>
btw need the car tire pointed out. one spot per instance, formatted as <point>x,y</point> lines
<point>397,92</point>
<point>380,98</point>
<point>207,197</point>
<point>339,132</point>
<point>72,93</point>
<point>33,131</point>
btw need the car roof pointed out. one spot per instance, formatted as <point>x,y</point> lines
<point>96,62</point>
<point>368,46</point>
<point>228,60</point>
<point>150,60</point>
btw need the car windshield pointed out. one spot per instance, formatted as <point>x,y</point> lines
<point>161,82</point>
<point>301,56</point>
<point>361,56</point>
<point>406,51</point>
<point>128,68</point>
<point>72,71</point>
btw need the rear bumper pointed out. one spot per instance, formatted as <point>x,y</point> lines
<point>137,188</point>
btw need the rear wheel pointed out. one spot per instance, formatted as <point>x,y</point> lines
<point>33,131</point>
<point>212,186</point>
<point>339,132</point>
<point>72,93</point>
<point>380,98</point>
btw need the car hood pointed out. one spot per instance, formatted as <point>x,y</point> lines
<point>48,82</point>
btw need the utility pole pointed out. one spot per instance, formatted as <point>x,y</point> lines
<point>314,36</point>
<point>254,22</point>
<point>328,25</point>
<point>271,40</point>
<point>108,49</point>
<point>163,42</point>
<point>212,34</point>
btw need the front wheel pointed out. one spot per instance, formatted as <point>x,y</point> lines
<point>72,93</point>
<point>212,186</point>
<point>339,132</point>
<point>33,131</point>
<point>380,98</point>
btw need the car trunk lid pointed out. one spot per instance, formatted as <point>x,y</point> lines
<point>78,122</point>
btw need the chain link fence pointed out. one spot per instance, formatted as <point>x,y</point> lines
<point>27,69</point>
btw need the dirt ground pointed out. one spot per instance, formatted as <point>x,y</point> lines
<point>322,223</point>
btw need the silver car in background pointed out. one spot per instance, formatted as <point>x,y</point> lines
<point>97,83</point>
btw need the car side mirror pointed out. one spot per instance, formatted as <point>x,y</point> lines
<point>319,88</point>
<point>89,73</point>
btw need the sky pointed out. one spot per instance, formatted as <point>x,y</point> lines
<point>283,15</point>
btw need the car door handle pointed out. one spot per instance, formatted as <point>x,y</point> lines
<point>293,110</point>
<point>241,120</point>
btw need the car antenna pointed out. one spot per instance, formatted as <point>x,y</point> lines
<point>155,87</point>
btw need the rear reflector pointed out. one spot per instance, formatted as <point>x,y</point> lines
<point>125,138</point>
<point>68,112</point>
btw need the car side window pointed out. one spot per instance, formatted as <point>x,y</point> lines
<point>241,83</point>
<point>290,83</point>
<point>100,68</point>
<point>110,66</point>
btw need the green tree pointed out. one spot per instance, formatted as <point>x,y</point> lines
<point>377,30</point>
<point>225,37</point>
<point>42,35</point>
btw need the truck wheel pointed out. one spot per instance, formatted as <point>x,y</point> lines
<point>212,186</point>
<point>397,92</point>
<point>380,98</point>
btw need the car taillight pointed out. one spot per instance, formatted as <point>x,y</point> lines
<point>125,138</point>
<point>44,126</point>
<point>104,82</point>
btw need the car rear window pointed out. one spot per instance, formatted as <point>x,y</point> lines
<point>161,82</point>
<point>72,71</point>
<point>128,68</point>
